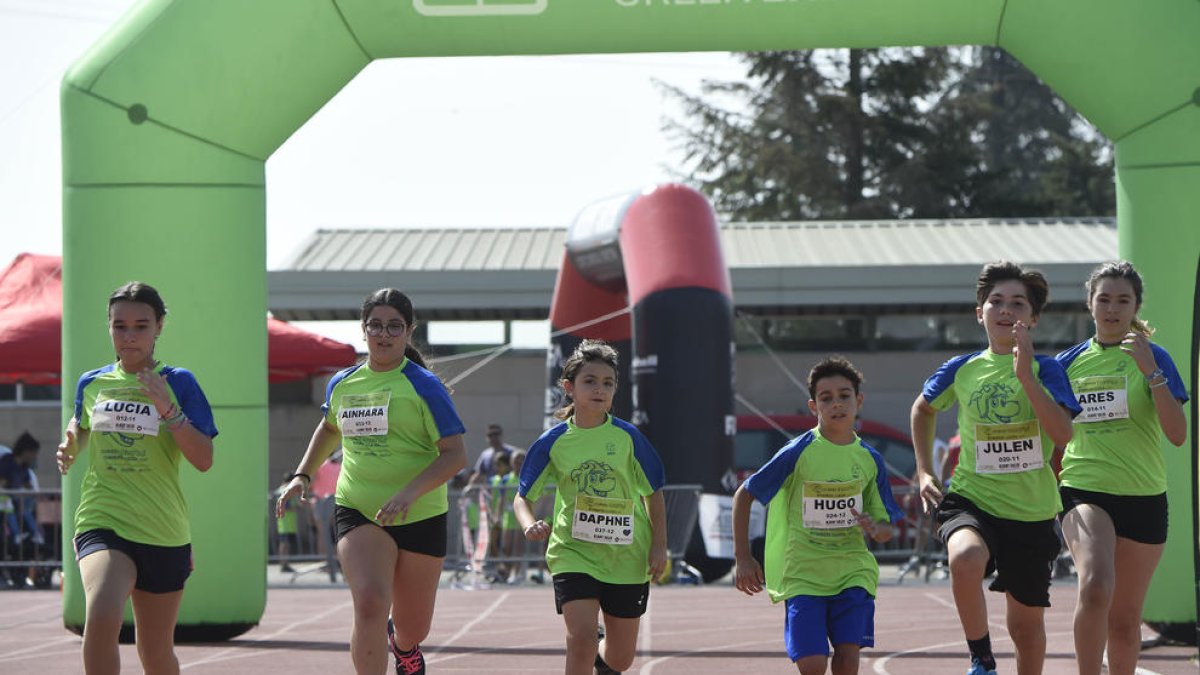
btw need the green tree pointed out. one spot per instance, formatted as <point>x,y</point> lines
<point>889,133</point>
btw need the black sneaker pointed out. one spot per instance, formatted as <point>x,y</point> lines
<point>411,662</point>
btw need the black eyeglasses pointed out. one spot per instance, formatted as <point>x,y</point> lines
<point>394,328</point>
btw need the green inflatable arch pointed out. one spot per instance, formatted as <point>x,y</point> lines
<point>168,122</point>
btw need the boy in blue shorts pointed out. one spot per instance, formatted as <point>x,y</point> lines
<point>820,489</point>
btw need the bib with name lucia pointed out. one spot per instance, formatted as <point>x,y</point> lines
<point>132,480</point>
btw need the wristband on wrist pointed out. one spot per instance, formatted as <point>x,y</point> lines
<point>306,477</point>
<point>171,413</point>
<point>1158,372</point>
<point>1160,383</point>
<point>176,423</point>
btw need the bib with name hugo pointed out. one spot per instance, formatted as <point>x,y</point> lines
<point>364,414</point>
<point>1102,398</point>
<point>1008,448</point>
<point>828,506</point>
<point>124,410</point>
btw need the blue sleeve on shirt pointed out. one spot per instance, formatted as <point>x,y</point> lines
<point>437,399</point>
<point>1174,381</point>
<point>333,382</point>
<point>1054,379</point>
<point>1067,356</point>
<point>191,399</point>
<point>84,381</point>
<point>941,380</point>
<point>884,486</point>
<point>538,458</point>
<point>765,482</point>
<point>645,454</point>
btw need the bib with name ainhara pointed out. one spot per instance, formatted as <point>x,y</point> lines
<point>364,414</point>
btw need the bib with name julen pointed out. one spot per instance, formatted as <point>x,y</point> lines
<point>601,520</point>
<point>1102,398</point>
<point>364,414</point>
<point>828,506</point>
<point>1008,448</point>
<point>124,410</point>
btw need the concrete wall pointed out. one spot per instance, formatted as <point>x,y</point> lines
<point>510,391</point>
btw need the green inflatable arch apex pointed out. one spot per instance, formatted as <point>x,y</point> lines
<point>168,122</point>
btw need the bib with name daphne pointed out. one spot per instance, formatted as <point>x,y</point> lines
<point>364,414</point>
<point>1008,448</point>
<point>124,410</point>
<point>601,520</point>
<point>1102,398</point>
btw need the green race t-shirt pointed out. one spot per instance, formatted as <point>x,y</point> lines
<point>600,526</point>
<point>132,483</point>
<point>1116,445</point>
<point>390,424</point>
<point>504,488</point>
<point>814,544</point>
<point>1004,467</point>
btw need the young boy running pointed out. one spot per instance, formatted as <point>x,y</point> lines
<point>1013,409</point>
<point>819,490</point>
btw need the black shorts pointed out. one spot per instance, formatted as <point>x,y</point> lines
<point>427,536</point>
<point>624,601</point>
<point>160,569</point>
<point>1022,553</point>
<point>1140,518</point>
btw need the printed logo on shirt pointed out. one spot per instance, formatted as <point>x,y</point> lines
<point>124,410</point>
<point>594,478</point>
<point>1102,398</point>
<point>364,414</point>
<point>996,402</point>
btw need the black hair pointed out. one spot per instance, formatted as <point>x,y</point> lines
<point>831,366</point>
<point>1120,269</point>
<point>587,352</point>
<point>24,442</point>
<point>398,301</point>
<point>1036,286</point>
<point>136,291</point>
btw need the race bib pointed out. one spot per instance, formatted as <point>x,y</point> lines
<point>124,411</point>
<point>364,414</point>
<point>827,506</point>
<point>1102,398</point>
<point>1008,448</point>
<point>603,521</point>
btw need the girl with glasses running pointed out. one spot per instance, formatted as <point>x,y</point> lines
<point>402,442</point>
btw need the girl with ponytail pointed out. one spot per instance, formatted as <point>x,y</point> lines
<point>402,441</point>
<point>1114,478</point>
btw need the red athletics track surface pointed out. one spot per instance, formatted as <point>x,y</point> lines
<point>689,630</point>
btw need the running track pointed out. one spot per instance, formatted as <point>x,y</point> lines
<point>691,630</point>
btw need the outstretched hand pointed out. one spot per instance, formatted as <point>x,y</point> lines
<point>66,452</point>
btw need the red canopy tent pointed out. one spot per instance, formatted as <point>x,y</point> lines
<point>31,331</point>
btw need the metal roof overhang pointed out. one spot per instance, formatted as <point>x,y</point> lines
<point>526,294</point>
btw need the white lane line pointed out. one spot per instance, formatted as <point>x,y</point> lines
<point>229,654</point>
<point>880,666</point>
<point>940,600</point>
<point>8,656</point>
<point>648,667</point>
<point>466,629</point>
